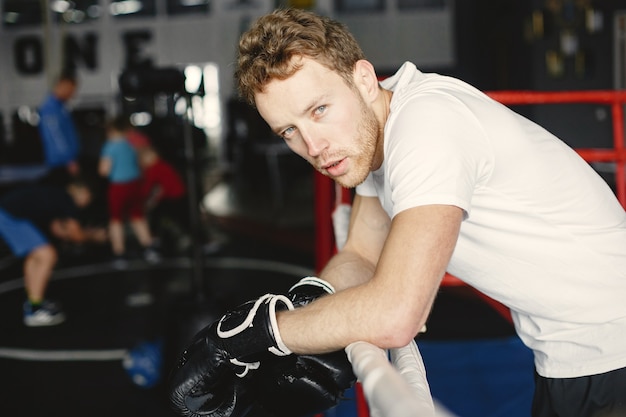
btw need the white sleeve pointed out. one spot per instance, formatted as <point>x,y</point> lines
<point>435,153</point>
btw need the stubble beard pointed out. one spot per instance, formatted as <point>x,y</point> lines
<point>367,137</point>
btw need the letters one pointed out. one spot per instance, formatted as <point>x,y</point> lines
<point>79,50</point>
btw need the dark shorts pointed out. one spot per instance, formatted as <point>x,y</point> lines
<point>602,395</point>
<point>125,199</point>
<point>20,235</point>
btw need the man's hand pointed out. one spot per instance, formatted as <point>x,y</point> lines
<point>68,230</point>
<point>309,289</point>
<point>303,385</point>
<point>213,375</point>
<point>240,362</point>
<point>96,234</point>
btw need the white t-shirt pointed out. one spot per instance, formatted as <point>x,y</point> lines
<point>543,233</point>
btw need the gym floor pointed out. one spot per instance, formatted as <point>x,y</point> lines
<point>76,368</point>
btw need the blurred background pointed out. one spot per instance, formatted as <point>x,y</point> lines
<point>168,65</point>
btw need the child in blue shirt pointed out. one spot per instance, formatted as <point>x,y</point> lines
<point>118,162</point>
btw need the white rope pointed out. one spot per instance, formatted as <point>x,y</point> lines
<point>390,391</point>
<point>409,363</point>
<point>341,221</point>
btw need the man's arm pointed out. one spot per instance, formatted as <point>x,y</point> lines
<point>61,144</point>
<point>71,230</point>
<point>67,229</point>
<point>395,282</point>
<point>368,230</point>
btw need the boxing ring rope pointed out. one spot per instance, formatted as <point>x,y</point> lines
<point>383,381</point>
<point>394,384</point>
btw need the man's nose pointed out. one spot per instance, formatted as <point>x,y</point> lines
<point>315,143</point>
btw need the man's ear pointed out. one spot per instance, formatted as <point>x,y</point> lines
<point>366,80</point>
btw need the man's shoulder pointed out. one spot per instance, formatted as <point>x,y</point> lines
<point>49,103</point>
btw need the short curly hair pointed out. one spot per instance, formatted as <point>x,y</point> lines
<point>267,48</point>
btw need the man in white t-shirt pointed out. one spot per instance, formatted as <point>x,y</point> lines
<point>446,179</point>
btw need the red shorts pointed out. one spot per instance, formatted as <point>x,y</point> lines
<point>125,199</point>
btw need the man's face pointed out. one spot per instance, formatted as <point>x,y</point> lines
<point>324,121</point>
<point>65,90</point>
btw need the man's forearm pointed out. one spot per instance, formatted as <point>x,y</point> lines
<point>360,313</point>
<point>325,325</point>
<point>96,234</point>
<point>333,321</point>
<point>347,269</point>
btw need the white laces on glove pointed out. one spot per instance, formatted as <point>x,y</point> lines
<point>279,350</point>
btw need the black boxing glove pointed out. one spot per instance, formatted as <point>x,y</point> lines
<point>213,375</point>
<point>302,385</point>
<point>307,290</point>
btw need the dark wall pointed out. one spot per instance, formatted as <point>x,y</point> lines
<point>580,125</point>
<point>490,49</point>
<point>494,52</point>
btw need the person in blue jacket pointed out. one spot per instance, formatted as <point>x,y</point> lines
<point>59,137</point>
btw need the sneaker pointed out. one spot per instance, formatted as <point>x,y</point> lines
<point>47,314</point>
<point>119,262</point>
<point>151,255</point>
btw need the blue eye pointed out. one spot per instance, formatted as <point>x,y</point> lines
<point>287,132</point>
<point>320,109</point>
